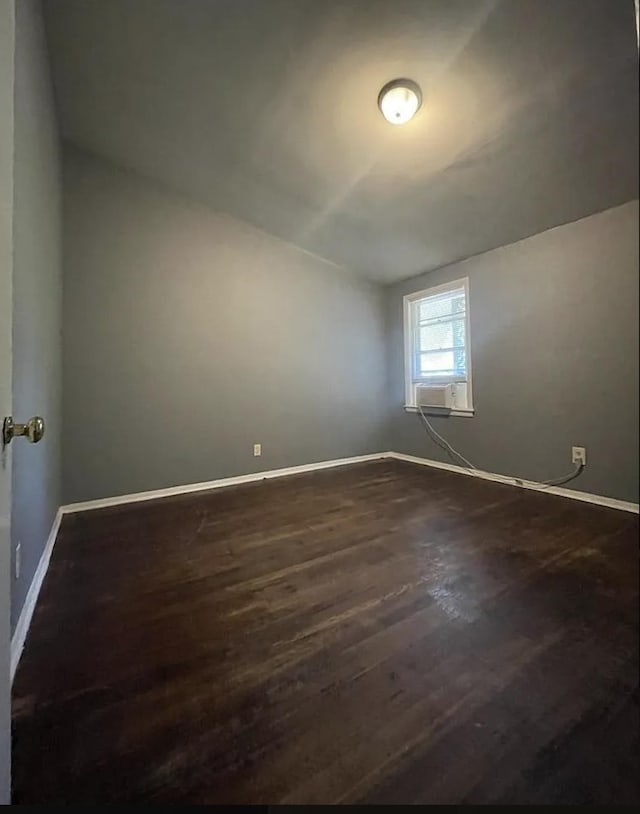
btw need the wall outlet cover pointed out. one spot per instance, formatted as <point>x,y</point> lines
<point>579,455</point>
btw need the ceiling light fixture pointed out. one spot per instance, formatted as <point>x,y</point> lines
<point>400,100</point>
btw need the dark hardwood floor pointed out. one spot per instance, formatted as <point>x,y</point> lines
<point>375,633</point>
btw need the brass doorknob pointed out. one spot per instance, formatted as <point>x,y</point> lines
<point>33,430</point>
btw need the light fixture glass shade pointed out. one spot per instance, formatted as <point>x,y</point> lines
<point>399,100</point>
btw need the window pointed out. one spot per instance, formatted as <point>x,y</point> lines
<point>436,338</point>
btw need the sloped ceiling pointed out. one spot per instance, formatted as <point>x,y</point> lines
<point>267,110</point>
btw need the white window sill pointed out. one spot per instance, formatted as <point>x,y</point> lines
<point>408,408</point>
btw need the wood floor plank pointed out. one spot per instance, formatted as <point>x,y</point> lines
<point>378,633</point>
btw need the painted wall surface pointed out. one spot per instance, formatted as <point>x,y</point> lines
<point>7,44</point>
<point>190,336</point>
<point>554,332</point>
<point>37,297</point>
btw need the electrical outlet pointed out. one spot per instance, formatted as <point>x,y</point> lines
<point>16,561</point>
<point>579,455</point>
<point>257,450</point>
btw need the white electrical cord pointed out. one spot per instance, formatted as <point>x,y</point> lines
<point>468,465</point>
<point>447,445</point>
<point>565,479</point>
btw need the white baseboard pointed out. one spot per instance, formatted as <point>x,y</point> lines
<point>573,494</point>
<point>154,494</point>
<point>24,620</point>
<point>204,486</point>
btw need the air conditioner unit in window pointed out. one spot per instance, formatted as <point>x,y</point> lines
<point>435,395</point>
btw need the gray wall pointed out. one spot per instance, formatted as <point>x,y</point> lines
<point>37,296</point>
<point>188,336</point>
<point>7,43</point>
<point>554,327</point>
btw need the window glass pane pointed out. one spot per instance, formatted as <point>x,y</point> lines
<point>458,304</point>
<point>436,362</point>
<point>460,361</point>
<point>442,363</point>
<point>453,302</point>
<point>442,335</point>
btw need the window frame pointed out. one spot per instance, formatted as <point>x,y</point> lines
<point>410,381</point>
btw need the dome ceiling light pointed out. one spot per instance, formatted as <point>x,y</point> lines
<point>400,100</point>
